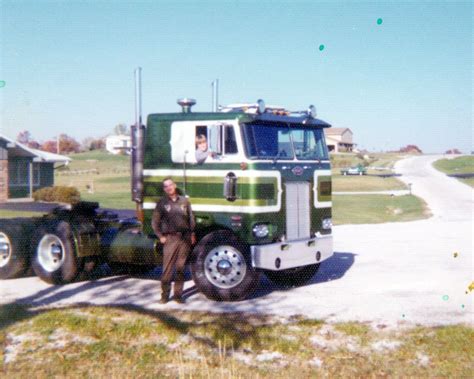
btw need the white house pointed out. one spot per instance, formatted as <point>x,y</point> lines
<point>339,139</point>
<point>119,144</point>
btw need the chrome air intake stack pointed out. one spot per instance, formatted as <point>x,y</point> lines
<point>186,104</point>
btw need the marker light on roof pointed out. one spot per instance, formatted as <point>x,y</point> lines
<point>311,111</point>
<point>261,106</point>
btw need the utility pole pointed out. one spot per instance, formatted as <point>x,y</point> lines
<point>57,143</point>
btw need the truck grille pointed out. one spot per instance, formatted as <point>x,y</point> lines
<point>297,210</point>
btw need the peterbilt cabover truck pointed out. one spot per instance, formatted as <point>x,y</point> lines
<point>262,202</point>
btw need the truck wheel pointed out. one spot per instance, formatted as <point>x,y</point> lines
<point>54,256</point>
<point>221,267</point>
<point>13,259</point>
<point>292,277</point>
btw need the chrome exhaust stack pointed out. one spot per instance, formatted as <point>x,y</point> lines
<point>138,147</point>
<point>215,95</point>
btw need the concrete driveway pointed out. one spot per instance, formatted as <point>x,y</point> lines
<point>384,274</point>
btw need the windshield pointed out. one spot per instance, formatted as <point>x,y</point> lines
<point>270,141</point>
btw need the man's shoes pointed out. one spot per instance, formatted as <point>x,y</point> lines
<point>179,299</point>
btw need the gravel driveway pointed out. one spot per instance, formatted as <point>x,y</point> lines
<point>385,274</point>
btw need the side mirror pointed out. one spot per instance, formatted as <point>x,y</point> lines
<point>230,187</point>
<point>214,133</point>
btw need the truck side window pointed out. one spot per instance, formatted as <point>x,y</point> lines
<point>230,144</point>
<point>221,139</point>
<point>202,151</point>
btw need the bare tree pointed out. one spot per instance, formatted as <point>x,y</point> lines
<point>121,129</point>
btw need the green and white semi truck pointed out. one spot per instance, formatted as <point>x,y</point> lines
<point>262,202</point>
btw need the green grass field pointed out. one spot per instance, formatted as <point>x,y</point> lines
<point>374,209</point>
<point>124,342</point>
<point>101,177</point>
<point>5,213</point>
<point>111,188</point>
<point>355,183</point>
<point>460,165</point>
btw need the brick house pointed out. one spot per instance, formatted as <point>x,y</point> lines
<point>24,170</point>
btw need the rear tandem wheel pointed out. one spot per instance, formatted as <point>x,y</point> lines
<point>54,256</point>
<point>13,250</point>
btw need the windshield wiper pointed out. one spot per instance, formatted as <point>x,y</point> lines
<point>275,158</point>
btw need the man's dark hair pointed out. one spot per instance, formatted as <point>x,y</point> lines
<point>165,179</point>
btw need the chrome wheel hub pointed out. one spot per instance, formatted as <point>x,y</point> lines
<point>5,250</point>
<point>225,266</point>
<point>50,252</point>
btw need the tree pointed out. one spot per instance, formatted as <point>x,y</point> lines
<point>453,151</point>
<point>50,146</point>
<point>410,149</point>
<point>91,143</point>
<point>25,138</point>
<point>67,145</point>
<point>121,129</point>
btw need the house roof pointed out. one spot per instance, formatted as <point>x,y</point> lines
<point>38,155</point>
<point>337,131</point>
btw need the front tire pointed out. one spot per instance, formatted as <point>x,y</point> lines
<point>293,277</point>
<point>54,256</point>
<point>221,267</point>
<point>13,247</point>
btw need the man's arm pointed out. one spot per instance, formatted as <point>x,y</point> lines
<point>192,223</point>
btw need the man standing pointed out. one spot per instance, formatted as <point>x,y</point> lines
<point>173,223</point>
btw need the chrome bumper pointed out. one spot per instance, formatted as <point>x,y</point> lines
<point>290,254</point>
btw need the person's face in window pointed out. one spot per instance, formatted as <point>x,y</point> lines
<point>202,145</point>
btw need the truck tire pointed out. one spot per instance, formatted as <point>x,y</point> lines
<point>221,268</point>
<point>13,247</point>
<point>292,277</point>
<point>54,256</point>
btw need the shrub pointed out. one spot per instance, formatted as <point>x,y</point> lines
<point>58,194</point>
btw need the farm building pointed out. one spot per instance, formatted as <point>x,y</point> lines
<point>24,170</point>
<point>339,139</point>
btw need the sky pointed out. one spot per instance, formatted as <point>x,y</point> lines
<point>395,73</point>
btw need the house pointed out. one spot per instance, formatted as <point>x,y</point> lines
<point>118,144</point>
<point>339,139</point>
<point>23,170</point>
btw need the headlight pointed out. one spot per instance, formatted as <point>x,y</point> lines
<point>327,223</point>
<point>260,230</point>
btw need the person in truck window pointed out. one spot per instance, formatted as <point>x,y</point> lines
<point>173,223</point>
<point>202,150</point>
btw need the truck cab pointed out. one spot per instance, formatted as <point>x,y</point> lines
<point>261,196</point>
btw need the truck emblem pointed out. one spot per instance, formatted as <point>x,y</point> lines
<point>297,170</point>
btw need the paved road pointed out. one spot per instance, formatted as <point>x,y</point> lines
<point>394,273</point>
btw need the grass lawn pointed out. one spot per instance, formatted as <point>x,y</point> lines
<point>341,183</point>
<point>460,165</point>
<point>386,160</point>
<point>124,342</point>
<point>99,176</point>
<point>5,213</point>
<point>374,209</point>
<point>113,200</point>
<point>107,180</point>
<point>354,183</point>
